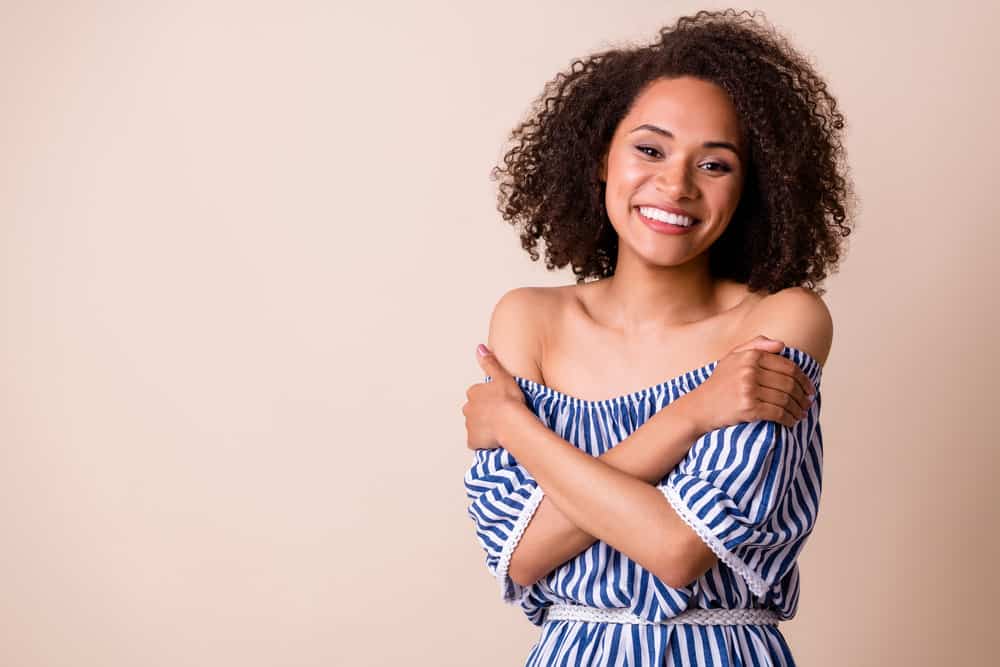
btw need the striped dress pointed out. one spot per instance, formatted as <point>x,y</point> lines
<point>750,491</point>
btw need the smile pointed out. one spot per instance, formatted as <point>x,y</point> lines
<point>664,222</point>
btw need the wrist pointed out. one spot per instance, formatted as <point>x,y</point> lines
<point>509,420</point>
<point>686,410</point>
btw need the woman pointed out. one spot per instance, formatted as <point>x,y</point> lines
<point>696,187</point>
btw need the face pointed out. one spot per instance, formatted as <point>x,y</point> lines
<point>680,147</point>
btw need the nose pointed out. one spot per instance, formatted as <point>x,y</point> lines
<point>674,180</point>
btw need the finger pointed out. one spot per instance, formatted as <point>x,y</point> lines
<point>490,364</point>
<point>785,384</point>
<point>776,403</point>
<point>485,359</point>
<point>776,362</point>
<point>760,343</point>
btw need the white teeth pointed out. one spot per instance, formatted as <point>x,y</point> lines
<point>663,216</point>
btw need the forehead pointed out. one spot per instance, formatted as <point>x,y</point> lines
<point>690,108</point>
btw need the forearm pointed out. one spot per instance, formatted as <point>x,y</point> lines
<point>648,454</point>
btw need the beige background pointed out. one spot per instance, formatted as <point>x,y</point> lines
<point>249,249</point>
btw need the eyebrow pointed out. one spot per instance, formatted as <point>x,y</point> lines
<point>669,135</point>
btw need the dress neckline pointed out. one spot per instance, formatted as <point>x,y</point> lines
<point>641,393</point>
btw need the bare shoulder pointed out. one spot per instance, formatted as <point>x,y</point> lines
<point>517,329</point>
<point>798,317</point>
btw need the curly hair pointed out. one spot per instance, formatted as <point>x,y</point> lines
<point>797,201</point>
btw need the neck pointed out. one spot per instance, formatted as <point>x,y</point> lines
<point>642,298</point>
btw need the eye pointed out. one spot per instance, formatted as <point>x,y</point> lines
<point>643,150</point>
<point>723,167</point>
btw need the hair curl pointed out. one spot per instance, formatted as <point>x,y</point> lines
<point>797,201</point>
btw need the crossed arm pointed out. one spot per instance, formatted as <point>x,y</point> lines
<point>628,512</point>
<point>614,497</point>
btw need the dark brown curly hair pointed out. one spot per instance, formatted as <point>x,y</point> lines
<point>797,201</point>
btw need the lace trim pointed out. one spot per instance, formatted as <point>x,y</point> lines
<point>754,580</point>
<point>515,536</point>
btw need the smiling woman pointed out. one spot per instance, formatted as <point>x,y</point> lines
<point>697,188</point>
<point>796,201</point>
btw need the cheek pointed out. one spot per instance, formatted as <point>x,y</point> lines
<point>734,190</point>
<point>631,171</point>
<point>725,197</point>
<point>625,180</point>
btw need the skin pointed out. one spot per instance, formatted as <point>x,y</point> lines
<point>661,314</point>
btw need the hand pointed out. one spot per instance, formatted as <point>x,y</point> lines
<point>489,401</point>
<point>752,382</point>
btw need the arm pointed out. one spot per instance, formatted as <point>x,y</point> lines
<point>750,492</point>
<point>746,494</point>
<point>628,513</point>
<point>648,454</point>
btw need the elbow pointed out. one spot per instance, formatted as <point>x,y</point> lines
<point>522,581</point>
<point>672,575</point>
<point>518,574</point>
<point>680,566</point>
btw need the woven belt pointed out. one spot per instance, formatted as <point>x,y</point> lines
<point>573,612</point>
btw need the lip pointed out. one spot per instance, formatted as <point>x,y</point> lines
<point>664,227</point>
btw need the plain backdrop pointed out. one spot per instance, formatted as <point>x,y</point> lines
<point>249,249</point>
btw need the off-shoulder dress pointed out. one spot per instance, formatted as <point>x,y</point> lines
<point>750,491</point>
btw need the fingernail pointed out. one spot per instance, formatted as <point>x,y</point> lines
<point>482,350</point>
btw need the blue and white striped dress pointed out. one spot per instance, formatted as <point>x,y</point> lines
<point>751,492</point>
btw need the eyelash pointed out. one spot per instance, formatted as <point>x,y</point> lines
<point>725,168</point>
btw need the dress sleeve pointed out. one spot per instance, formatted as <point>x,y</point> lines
<point>503,498</point>
<point>751,490</point>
